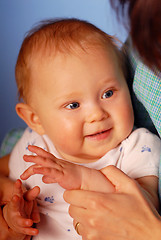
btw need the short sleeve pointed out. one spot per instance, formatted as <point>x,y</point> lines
<point>142,152</point>
<point>16,163</point>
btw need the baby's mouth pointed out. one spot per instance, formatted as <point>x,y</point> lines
<point>99,135</point>
<point>95,134</point>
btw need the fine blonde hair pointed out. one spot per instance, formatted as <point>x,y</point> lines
<point>52,36</point>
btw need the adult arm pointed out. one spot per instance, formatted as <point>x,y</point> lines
<point>4,165</point>
<point>6,185</point>
<point>123,215</point>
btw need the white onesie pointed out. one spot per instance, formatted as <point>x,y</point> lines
<point>137,156</point>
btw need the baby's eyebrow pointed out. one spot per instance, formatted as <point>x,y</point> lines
<point>110,81</point>
<point>68,96</point>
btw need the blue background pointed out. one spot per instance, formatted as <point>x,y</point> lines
<point>17,17</point>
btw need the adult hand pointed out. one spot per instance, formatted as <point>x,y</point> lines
<point>123,215</point>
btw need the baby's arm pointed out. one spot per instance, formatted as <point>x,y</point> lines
<point>67,175</point>
<point>18,212</point>
<point>73,176</point>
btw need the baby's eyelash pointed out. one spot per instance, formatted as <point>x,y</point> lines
<point>108,94</point>
<point>73,105</point>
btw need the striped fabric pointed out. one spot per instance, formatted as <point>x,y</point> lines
<point>10,140</point>
<point>147,88</point>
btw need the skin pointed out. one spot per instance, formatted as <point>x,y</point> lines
<point>88,100</point>
<point>22,211</point>
<point>72,176</point>
<point>7,188</point>
<point>67,174</point>
<point>8,192</point>
<point>135,217</point>
<point>4,165</point>
<point>127,196</point>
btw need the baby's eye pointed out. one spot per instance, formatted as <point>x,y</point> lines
<point>108,94</point>
<point>73,105</point>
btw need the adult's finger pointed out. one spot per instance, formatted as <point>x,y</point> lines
<point>77,213</point>
<point>120,180</point>
<point>77,197</point>
<point>78,227</point>
<point>85,199</point>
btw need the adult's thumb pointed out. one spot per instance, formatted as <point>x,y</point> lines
<point>119,179</point>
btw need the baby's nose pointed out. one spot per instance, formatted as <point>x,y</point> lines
<point>96,113</point>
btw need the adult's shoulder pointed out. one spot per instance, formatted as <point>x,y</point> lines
<point>145,89</point>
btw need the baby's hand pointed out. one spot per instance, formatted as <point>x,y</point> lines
<point>53,170</point>
<point>18,213</point>
<point>68,175</point>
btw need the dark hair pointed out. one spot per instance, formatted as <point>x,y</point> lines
<point>145,27</point>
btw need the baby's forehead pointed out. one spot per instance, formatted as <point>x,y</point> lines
<point>50,52</point>
<point>65,37</point>
<point>61,60</point>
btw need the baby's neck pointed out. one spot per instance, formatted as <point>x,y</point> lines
<point>78,159</point>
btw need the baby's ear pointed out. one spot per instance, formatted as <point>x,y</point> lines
<point>26,112</point>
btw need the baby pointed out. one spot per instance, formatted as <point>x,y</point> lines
<point>71,78</point>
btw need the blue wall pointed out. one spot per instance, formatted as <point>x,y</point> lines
<point>17,17</point>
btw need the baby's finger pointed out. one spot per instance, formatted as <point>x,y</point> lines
<point>53,173</point>
<point>35,216</point>
<point>46,162</point>
<point>28,172</point>
<point>40,152</point>
<point>31,231</point>
<point>28,231</point>
<point>27,238</point>
<point>32,194</point>
<point>17,190</point>
<point>15,203</point>
<point>24,226</point>
<point>23,222</point>
<point>47,180</point>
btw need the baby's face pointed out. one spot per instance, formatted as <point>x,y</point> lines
<point>83,104</point>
